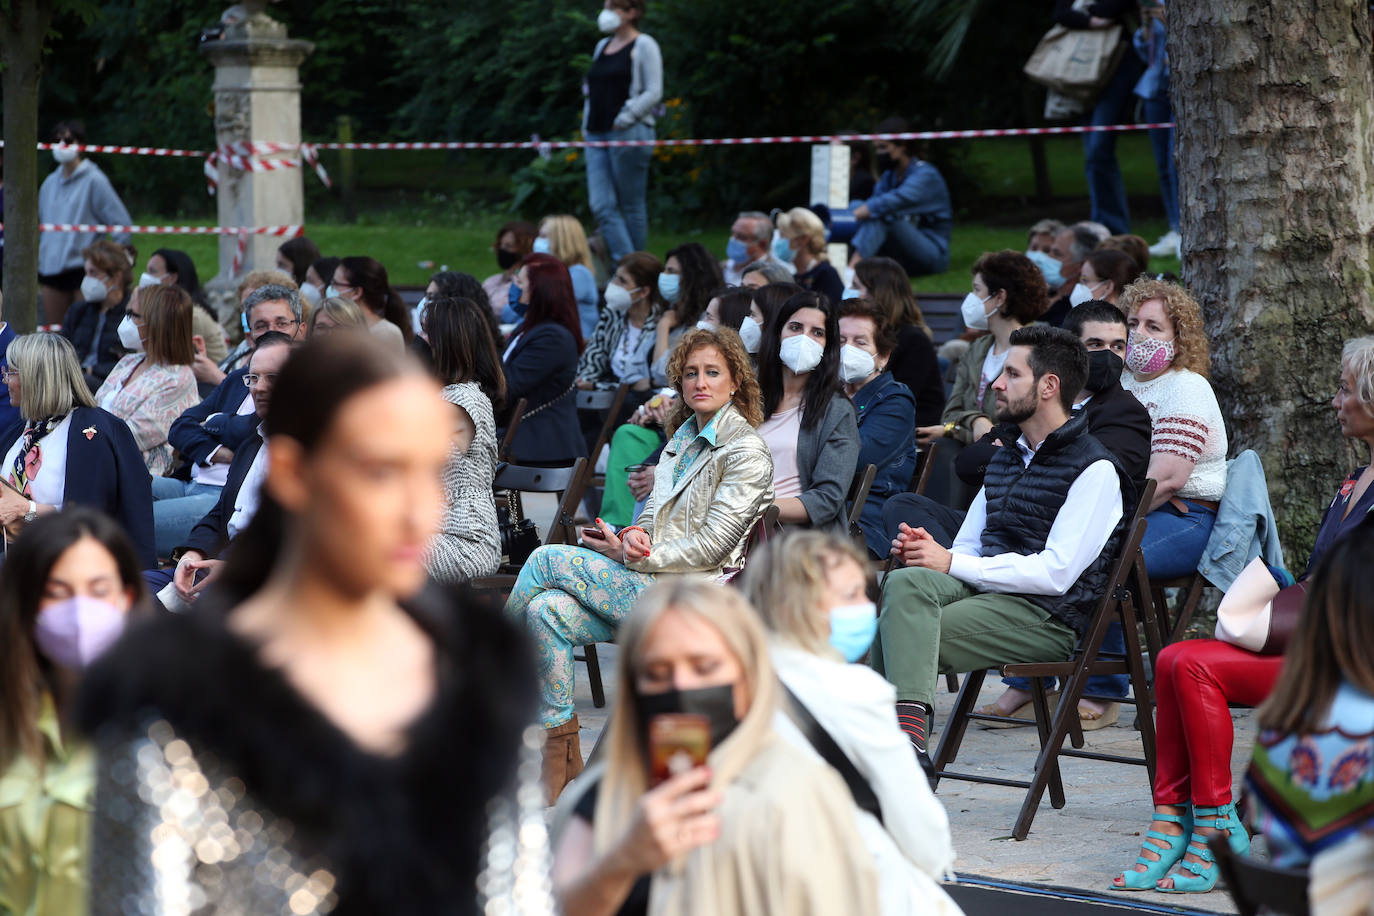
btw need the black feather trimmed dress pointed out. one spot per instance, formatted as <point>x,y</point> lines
<point>223,790</point>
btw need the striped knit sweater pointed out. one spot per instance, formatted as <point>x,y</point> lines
<point>1186,421</point>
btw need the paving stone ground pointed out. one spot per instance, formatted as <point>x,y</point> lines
<point>1083,845</point>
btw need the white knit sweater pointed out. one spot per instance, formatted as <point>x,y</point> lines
<point>1185,420</point>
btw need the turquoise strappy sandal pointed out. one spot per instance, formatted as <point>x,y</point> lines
<point>1204,874</point>
<point>1169,855</point>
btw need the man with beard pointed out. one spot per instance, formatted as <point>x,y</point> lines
<point>1035,550</point>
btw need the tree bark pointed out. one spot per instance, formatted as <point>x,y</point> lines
<point>24,28</point>
<point>1275,143</point>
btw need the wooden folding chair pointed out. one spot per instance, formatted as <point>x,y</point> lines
<point>611,402</point>
<point>1087,661</point>
<point>858,492</point>
<point>512,424</point>
<point>1174,622</point>
<point>1258,887</point>
<point>924,477</point>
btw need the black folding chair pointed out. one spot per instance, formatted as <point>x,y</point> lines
<point>1258,887</point>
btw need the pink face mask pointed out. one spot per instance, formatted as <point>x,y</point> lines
<point>1146,355</point>
<point>74,632</point>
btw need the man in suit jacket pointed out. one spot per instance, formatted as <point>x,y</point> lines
<point>238,500</point>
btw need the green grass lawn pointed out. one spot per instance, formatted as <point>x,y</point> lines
<point>423,206</point>
<point>468,248</point>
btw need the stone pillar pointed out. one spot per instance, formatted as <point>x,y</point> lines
<point>257,98</point>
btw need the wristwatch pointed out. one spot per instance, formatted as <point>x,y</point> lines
<point>32,513</point>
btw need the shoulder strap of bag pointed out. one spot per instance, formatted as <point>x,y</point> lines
<point>832,754</point>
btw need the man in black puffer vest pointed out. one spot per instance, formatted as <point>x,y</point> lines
<point>1034,553</point>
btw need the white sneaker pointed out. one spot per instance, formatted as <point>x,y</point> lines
<point>1167,246</point>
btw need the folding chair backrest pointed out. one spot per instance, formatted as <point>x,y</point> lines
<point>858,493</point>
<point>566,481</point>
<point>512,424</point>
<point>1259,887</point>
<point>924,477</point>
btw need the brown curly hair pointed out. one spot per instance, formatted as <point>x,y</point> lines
<point>1028,297</point>
<point>748,399</point>
<point>1190,335</point>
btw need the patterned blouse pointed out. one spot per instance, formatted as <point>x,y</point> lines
<point>149,405</point>
<point>469,541</point>
<point>1311,792</point>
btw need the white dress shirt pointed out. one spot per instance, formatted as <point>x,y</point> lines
<point>246,502</point>
<point>1080,531</point>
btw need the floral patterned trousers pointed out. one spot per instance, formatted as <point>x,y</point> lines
<point>568,597</point>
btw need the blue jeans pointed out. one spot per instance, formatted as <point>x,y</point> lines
<point>919,252</point>
<point>1174,541</point>
<point>617,180</point>
<point>177,506</point>
<point>1107,685</point>
<point>1159,111</point>
<point>1106,188</point>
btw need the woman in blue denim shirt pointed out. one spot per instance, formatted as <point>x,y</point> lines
<point>623,87</point>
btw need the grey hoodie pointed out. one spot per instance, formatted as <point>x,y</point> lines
<point>86,196</point>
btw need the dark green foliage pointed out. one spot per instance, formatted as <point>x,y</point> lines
<point>453,69</point>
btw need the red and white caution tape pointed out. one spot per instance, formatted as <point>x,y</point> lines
<point>261,148</point>
<point>249,157</point>
<point>283,231</point>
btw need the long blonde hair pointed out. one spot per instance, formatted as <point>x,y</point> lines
<point>786,582</point>
<point>567,240</point>
<point>626,776</point>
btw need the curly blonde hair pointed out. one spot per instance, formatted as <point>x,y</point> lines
<point>748,399</point>
<point>1190,337</point>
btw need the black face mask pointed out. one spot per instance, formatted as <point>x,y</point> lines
<point>717,704</point>
<point>506,259</point>
<point>1104,371</point>
<point>885,162</point>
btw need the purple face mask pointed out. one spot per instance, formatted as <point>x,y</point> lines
<point>1146,355</point>
<point>74,632</point>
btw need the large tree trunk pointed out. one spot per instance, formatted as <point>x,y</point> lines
<point>22,33</point>
<point>1275,145</point>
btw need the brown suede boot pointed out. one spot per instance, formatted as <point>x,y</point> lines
<point>562,757</point>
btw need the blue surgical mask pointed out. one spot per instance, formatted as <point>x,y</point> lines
<point>542,246</point>
<point>849,293</point>
<point>1049,266</point>
<point>853,628</point>
<point>670,285</point>
<point>736,250</point>
<point>782,250</point>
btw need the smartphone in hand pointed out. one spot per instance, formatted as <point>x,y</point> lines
<point>678,742</point>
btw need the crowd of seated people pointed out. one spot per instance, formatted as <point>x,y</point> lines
<point>315,485</point>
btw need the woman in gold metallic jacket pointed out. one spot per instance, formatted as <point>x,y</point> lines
<point>713,484</point>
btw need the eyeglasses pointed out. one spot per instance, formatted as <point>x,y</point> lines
<point>6,374</point>
<point>250,380</point>
<point>280,324</point>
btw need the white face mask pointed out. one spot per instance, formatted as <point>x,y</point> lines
<point>65,154</point>
<point>855,364</point>
<point>608,21</point>
<point>331,292</point>
<point>1080,295</point>
<point>92,290</point>
<point>704,325</point>
<point>417,317</point>
<point>618,298</point>
<point>800,353</point>
<point>974,312</point>
<point>751,333</point>
<point>128,335</point>
<point>147,279</point>
<point>311,292</point>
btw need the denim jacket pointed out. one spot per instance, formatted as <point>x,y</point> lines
<point>1244,527</point>
<point>1154,82</point>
